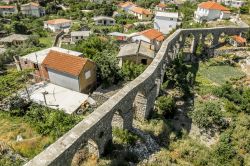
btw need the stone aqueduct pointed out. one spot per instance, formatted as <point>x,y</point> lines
<point>134,100</point>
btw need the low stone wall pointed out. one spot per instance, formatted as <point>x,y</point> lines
<point>217,52</point>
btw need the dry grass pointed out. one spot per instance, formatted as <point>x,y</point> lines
<point>32,143</point>
<point>245,18</point>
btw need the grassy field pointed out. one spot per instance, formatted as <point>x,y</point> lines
<point>220,74</point>
<point>33,142</point>
<point>245,18</point>
<point>47,41</point>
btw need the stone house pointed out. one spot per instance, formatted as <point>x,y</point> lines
<point>138,53</point>
<point>32,9</point>
<point>14,39</point>
<point>161,7</point>
<point>104,20</point>
<point>8,10</point>
<point>58,24</point>
<point>208,11</point>
<point>141,13</point>
<point>151,36</point>
<point>166,22</point>
<point>237,41</point>
<point>79,35</point>
<point>35,59</point>
<point>71,72</point>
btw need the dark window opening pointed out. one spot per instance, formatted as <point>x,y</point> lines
<point>144,61</point>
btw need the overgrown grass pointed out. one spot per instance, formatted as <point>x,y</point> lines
<point>221,74</point>
<point>47,41</point>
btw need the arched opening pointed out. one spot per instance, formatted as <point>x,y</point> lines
<point>222,39</point>
<point>117,120</point>
<point>87,155</point>
<point>209,40</point>
<point>140,106</point>
<point>188,42</point>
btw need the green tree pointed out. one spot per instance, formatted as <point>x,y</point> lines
<point>131,70</point>
<point>166,106</point>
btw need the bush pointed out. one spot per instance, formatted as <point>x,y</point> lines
<point>124,136</point>
<point>131,70</point>
<point>166,106</point>
<point>207,115</point>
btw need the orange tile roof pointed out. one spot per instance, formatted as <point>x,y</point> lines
<point>34,4</point>
<point>161,5</point>
<point>7,7</point>
<point>239,39</point>
<point>66,63</point>
<point>140,10</point>
<point>213,6</point>
<point>58,21</point>
<point>126,4</point>
<point>153,34</point>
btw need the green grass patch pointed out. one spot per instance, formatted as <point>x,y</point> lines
<point>221,74</point>
<point>47,41</point>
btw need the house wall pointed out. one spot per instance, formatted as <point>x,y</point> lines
<point>87,84</point>
<point>165,24</point>
<point>207,14</point>
<point>57,27</point>
<point>135,59</point>
<point>139,38</point>
<point>101,22</point>
<point>63,79</point>
<point>7,11</point>
<point>30,10</point>
<point>77,38</point>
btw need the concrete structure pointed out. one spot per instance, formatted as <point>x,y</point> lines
<point>136,99</point>
<point>104,20</point>
<point>151,36</point>
<point>72,72</point>
<point>8,10</point>
<point>35,59</point>
<point>55,97</point>
<point>79,35</point>
<point>208,11</point>
<point>58,25</point>
<point>141,13</point>
<point>14,39</point>
<point>138,53</point>
<point>32,9</point>
<point>234,3</point>
<point>166,22</point>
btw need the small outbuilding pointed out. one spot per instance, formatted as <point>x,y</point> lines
<point>79,35</point>
<point>104,20</point>
<point>237,41</point>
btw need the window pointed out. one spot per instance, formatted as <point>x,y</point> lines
<point>170,26</point>
<point>76,37</point>
<point>87,74</point>
<point>25,62</point>
<point>100,21</point>
<point>36,66</point>
<point>144,61</point>
<point>111,22</point>
<point>171,19</point>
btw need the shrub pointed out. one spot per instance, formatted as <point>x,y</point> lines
<point>207,115</point>
<point>124,136</point>
<point>131,70</point>
<point>166,106</point>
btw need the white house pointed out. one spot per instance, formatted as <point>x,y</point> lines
<point>58,24</point>
<point>32,9</point>
<point>8,10</point>
<point>141,13</point>
<point>165,21</point>
<point>208,11</point>
<point>79,35</point>
<point>152,36</point>
<point>104,20</point>
<point>234,3</point>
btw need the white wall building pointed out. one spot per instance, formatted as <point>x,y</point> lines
<point>166,22</point>
<point>208,11</point>
<point>58,24</point>
<point>104,20</point>
<point>141,13</point>
<point>234,3</point>
<point>32,9</point>
<point>8,10</point>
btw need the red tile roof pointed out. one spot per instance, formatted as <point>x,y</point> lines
<point>140,10</point>
<point>126,4</point>
<point>153,34</point>
<point>161,5</point>
<point>58,21</point>
<point>7,7</point>
<point>66,63</point>
<point>239,39</point>
<point>213,6</point>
